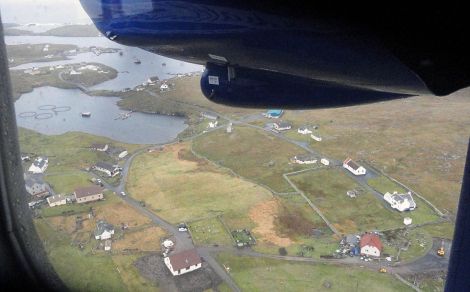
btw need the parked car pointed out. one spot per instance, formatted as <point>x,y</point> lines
<point>123,193</point>
<point>182,227</point>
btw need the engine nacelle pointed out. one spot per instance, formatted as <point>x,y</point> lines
<point>245,87</point>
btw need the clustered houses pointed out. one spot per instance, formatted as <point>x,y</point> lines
<point>36,187</point>
<point>282,126</point>
<point>108,169</point>
<point>39,165</point>
<point>371,245</point>
<point>400,202</point>
<point>183,262</point>
<point>305,159</point>
<point>353,167</point>
<point>88,194</point>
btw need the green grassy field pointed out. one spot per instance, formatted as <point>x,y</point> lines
<point>260,274</point>
<point>420,141</point>
<point>78,270</point>
<point>67,152</point>
<point>251,153</point>
<point>66,183</point>
<point>327,189</point>
<point>423,212</point>
<point>23,83</point>
<point>182,188</point>
<point>209,231</point>
<point>27,53</point>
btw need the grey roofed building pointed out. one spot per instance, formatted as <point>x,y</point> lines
<point>351,239</point>
<point>284,125</point>
<point>88,191</point>
<point>36,186</point>
<point>106,166</point>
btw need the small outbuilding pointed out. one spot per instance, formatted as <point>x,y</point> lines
<point>103,230</point>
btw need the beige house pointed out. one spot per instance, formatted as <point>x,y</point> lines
<point>88,194</point>
<point>56,200</point>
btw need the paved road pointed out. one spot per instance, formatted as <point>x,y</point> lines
<point>183,240</point>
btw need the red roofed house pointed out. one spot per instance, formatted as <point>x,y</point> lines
<point>183,262</point>
<point>371,245</point>
<point>353,167</point>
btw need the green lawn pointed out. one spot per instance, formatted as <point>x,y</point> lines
<point>66,183</point>
<point>79,270</point>
<point>327,190</point>
<point>423,213</point>
<point>68,152</point>
<point>251,153</point>
<point>209,231</point>
<point>260,274</point>
<point>444,230</point>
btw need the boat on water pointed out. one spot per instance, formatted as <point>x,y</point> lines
<point>137,61</point>
<point>163,64</point>
<point>121,53</point>
<point>86,114</point>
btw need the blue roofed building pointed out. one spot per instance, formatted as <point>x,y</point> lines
<point>274,113</point>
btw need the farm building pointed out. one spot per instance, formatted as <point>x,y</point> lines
<point>107,169</point>
<point>370,245</point>
<point>316,138</point>
<point>209,116</point>
<point>164,87</point>
<point>304,130</point>
<point>39,165</point>
<point>353,167</point>
<point>99,147</point>
<point>401,202</point>
<point>56,200</point>
<point>407,220</point>
<point>103,230</point>
<point>36,187</point>
<point>88,194</point>
<point>273,113</point>
<point>282,126</point>
<point>183,262</point>
<point>325,161</point>
<point>305,159</point>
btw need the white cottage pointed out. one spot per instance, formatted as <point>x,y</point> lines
<point>103,230</point>
<point>325,161</point>
<point>316,138</point>
<point>353,167</point>
<point>305,159</point>
<point>39,165</point>
<point>400,202</point>
<point>183,262</point>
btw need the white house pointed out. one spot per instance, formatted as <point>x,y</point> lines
<point>304,130</point>
<point>305,159</point>
<point>103,230</point>
<point>316,138</point>
<point>353,167</point>
<point>164,87</point>
<point>325,161</point>
<point>183,262</point>
<point>107,168</point>
<point>401,202</point>
<point>56,200</point>
<point>213,124</point>
<point>39,165</point>
<point>73,72</point>
<point>282,126</point>
<point>123,154</point>
<point>36,187</point>
<point>370,245</point>
<point>209,116</point>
